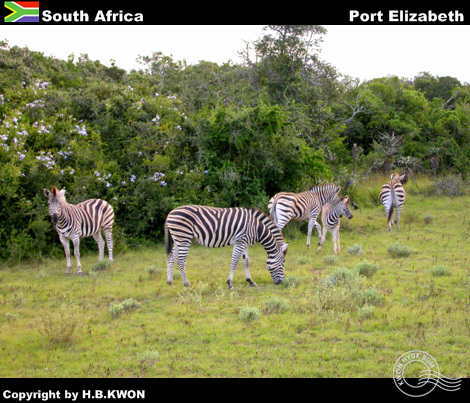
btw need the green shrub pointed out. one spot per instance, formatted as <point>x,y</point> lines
<point>127,305</point>
<point>148,358</point>
<point>355,250</point>
<point>249,314</point>
<point>366,269</point>
<point>428,219</point>
<point>101,265</point>
<point>330,260</point>
<point>440,270</point>
<point>450,185</point>
<point>397,250</point>
<point>275,304</point>
<point>58,327</point>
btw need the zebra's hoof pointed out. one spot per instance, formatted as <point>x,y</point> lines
<point>79,273</point>
<point>169,282</point>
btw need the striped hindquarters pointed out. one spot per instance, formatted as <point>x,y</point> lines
<point>286,206</point>
<point>392,195</point>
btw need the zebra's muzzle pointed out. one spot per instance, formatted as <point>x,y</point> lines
<point>55,219</point>
<point>278,281</point>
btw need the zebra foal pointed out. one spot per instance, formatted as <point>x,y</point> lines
<point>217,227</point>
<point>392,196</point>
<point>304,206</point>
<point>85,219</point>
<point>331,220</point>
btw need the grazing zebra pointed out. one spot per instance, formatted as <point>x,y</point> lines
<point>85,219</point>
<point>217,227</point>
<point>392,196</point>
<point>305,206</point>
<point>331,219</point>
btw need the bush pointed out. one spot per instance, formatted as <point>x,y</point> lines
<point>274,305</point>
<point>355,250</point>
<point>249,314</point>
<point>450,185</point>
<point>59,327</point>
<point>397,250</point>
<point>127,305</point>
<point>330,260</point>
<point>366,269</point>
<point>440,270</point>
<point>428,219</point>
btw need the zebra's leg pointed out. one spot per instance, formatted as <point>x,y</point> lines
<point>322,238</point>
<point>99,240</point>
<point>246,263</point>
<point>335,236</point>
<point>66,245</point>
<point>76,252</point>
<point>183,249</point>
<point>311,222</point>
<point>170,263</point>
<point>108,234</point>
<point>398,216</point>
<point>237,252</point>
<point>319,229</point>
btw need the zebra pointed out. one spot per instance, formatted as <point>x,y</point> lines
<point>85,219</point>
<point>331,220</point>
<point>392,196</point>
<point>305,206</point>
<point>217,227</point>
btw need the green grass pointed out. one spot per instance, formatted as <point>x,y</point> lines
<point>325,321</point>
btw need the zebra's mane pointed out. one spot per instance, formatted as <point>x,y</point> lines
<point>326,186</point>
<point>269,222</point>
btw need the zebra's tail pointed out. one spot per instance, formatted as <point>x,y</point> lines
<point>272,209</point>
<point>167,240</point>
<point>390,213</point>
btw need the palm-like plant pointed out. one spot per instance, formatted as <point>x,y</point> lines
<point>410,165</point>
<point>386,148</point>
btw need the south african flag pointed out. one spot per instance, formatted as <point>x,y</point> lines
<point>22,11</point>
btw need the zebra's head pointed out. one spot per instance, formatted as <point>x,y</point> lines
<point>275,263</point>
<point>55,199</point>
<point>345,207</point>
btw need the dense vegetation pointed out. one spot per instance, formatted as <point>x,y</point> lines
<point>170,133</point>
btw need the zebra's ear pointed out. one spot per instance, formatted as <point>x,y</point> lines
<point>61,193</point>
<point>47,193</point>
<point>345,199</point>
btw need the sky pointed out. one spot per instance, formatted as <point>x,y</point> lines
<point>359,51</point>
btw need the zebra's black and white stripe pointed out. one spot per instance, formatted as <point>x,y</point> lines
<point>331,220</point>
<point>305,206</point>
<point>217,227</point>
<point>85,219</point>
<point>392,196</point>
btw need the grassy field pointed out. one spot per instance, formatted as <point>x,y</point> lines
<point>348,316</point>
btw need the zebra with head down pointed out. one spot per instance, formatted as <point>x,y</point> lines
<point>217,227</point>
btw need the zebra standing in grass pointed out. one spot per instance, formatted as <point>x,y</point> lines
<point>305,206</point>
<point>217,227</point>
<point>331,220</point>
<point>392,196</point>
<point>85,219</point>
